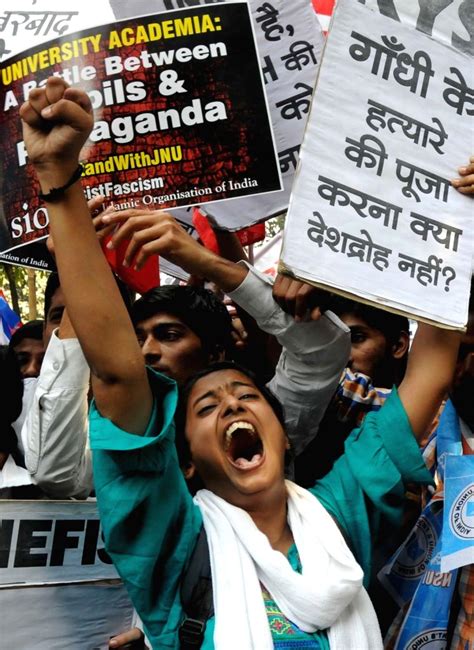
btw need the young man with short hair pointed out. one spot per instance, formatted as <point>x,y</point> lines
<point>181,329</point>
<point>379,341</point>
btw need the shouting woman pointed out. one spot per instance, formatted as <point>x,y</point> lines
<point>287,566</point>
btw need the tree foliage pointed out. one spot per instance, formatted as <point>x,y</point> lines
<point>274,226</point>
<point>14,283</point>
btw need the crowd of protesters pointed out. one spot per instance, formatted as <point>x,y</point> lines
<point>279,457</point>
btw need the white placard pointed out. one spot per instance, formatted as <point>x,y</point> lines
<point>26,23</point>
<point>373,213</point>
<point>58,588</point>
<point>449,21</point>
<point>184,216</point>
<point>51,542</point>
<point>290,44</point>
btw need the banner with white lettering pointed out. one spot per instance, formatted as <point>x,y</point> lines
<point>290,43</point>
<point>25,24</point>
<point>180,116</point>
<point>373,213</point>
<point>51,542</point>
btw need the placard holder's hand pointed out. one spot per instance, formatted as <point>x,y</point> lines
<point>465,184</point>
<point>300,300</point>
<point>131,640</point>
<point>156,233</point>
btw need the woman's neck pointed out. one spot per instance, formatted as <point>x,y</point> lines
<point>271,519</point>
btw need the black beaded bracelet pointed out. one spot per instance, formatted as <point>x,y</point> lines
<point>56,193</point>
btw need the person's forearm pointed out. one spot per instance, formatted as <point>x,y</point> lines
<point>66,330</point>
<point>202,262</point>
<point>157,233</point>
<point>57,121</point>
<point>230,247</point>
<point>429,374</point>
<point>88,284</point>
<point>227,275</point>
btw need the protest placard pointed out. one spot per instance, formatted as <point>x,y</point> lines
<point>290,43</point>
<point>184,216</point>
<point>449,21</point>
<point>26,23</point>
<point>180,115</point>
<point>52,561</point>
<point>458,518</point>
<point>373,213</point>
<point>50,542</point>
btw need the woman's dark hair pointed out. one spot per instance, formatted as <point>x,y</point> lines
<point>182,445</point>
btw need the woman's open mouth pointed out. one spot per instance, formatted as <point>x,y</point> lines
<point>243,445</point>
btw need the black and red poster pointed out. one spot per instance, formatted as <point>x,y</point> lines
<point>180,117</point>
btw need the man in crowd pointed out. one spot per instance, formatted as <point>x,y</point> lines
<point>379,341</point>
<point>377,362</point>
<point>27,344</point>
<point>30,341</point>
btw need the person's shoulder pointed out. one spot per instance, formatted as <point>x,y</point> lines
<point>107,436</point>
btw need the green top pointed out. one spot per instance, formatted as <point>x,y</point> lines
<point>151,524</point>
<point>286,635</point>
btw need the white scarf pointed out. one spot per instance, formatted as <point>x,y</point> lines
<point>328,593</point>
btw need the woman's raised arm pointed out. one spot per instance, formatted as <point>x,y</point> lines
<point>56,123</point>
